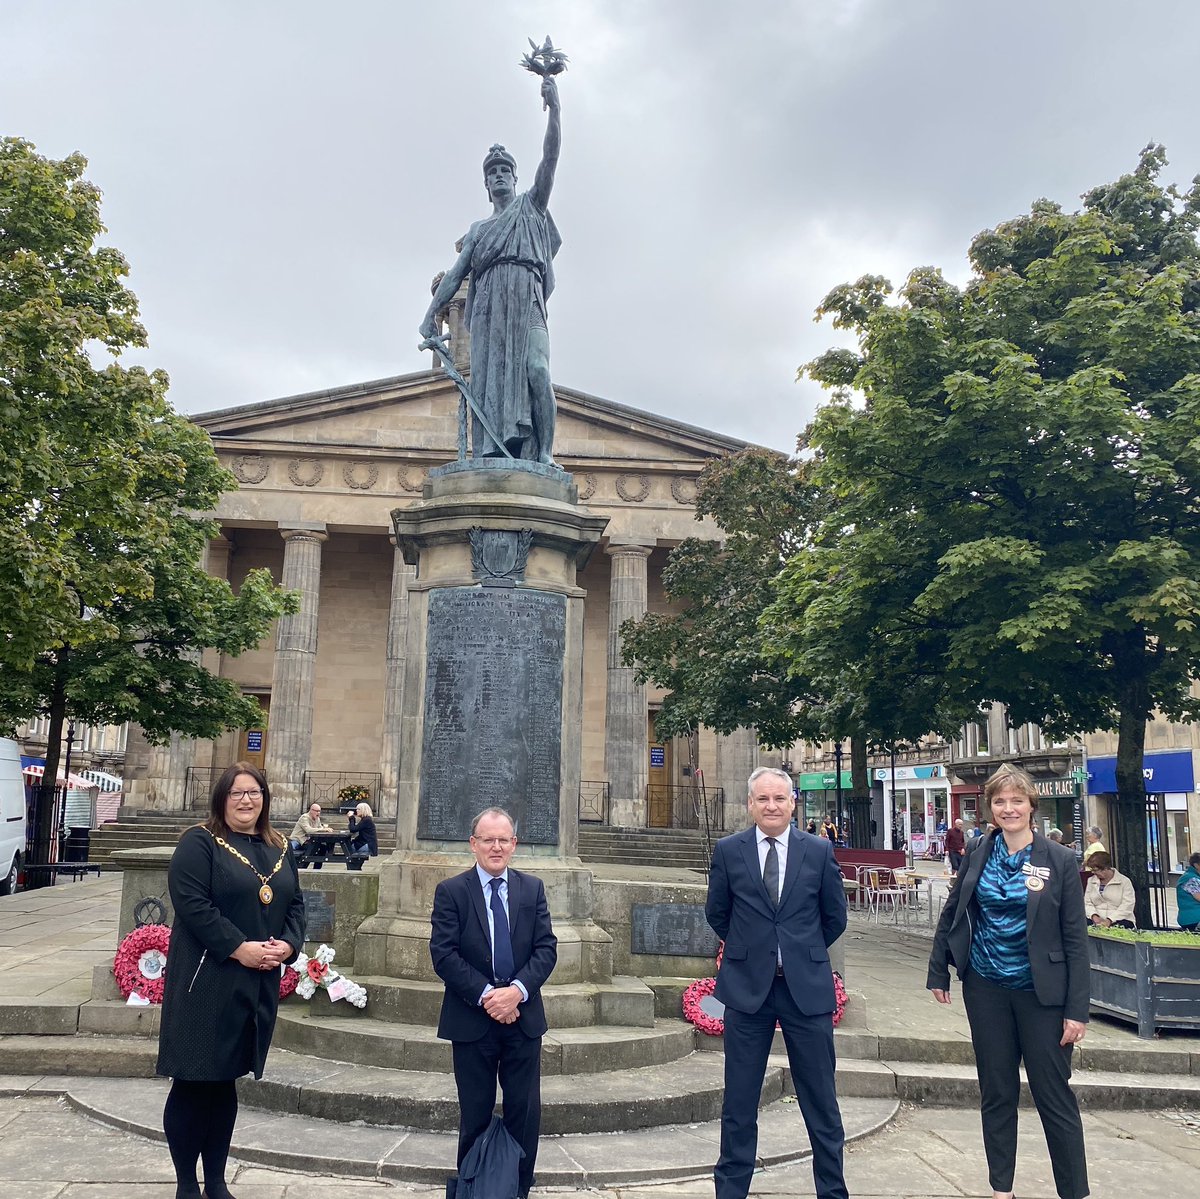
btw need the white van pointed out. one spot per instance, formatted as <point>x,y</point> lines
<point>12,815</point>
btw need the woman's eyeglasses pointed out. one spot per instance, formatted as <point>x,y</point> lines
<point>255,793</point>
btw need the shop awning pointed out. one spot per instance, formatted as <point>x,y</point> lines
<point>103,780</point>
<point>73,780</point>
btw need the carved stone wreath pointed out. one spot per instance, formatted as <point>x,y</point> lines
<point>353,473</point>
<point>588,489</point>
<point>306,472</point>
<point>633,488</point>
<point>250,468</point>
<point>684,490</point>
<point>405,484</point>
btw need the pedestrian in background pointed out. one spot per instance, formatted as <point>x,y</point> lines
<point>1187,892</point>
<point>956,846</point>
<point>1108,900</point>
<point>1014,928</point>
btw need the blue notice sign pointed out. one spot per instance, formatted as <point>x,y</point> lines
<point>254,741</point>
<point>658,755</point>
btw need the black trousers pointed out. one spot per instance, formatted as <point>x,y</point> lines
<point>1008,1027</point>
<point>506,1054</point>
<point>809,1042</point>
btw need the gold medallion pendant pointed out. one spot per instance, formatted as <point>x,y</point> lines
<point>265,894</point>
<point>1033,883</point>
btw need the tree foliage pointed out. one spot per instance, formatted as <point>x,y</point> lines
<point>1014,501</point>
<point>707,653</point>
<point>102,489</point>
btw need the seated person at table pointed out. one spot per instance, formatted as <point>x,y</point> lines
<point>308,824</point>
<point>362,831</point>
<point>1108,900</point>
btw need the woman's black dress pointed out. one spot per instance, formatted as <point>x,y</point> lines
<point>218,1015</point>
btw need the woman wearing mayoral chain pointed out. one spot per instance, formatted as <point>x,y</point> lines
<point>239,917</point>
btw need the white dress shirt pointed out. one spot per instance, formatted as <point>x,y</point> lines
<point>485,881</point>
<point>781,849</point>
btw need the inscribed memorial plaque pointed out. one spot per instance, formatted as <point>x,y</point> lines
<point>320,908</point>
<point>493,711</point>
<point>674,929</point>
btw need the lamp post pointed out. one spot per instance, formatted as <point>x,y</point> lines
<point>837,779</point>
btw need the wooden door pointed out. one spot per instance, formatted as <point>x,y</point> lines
<point>252,742</point>
<point>659,777</point>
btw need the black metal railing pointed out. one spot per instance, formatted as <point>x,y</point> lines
<point>197,786</point>
<point>593,802</point>
<point>669,805</point>
<point>323,787</point>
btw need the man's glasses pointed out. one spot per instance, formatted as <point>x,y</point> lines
<point>255,793</point>
<point>488,842</point>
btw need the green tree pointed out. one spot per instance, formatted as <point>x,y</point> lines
<point>708,653</point>
<point>1022,477</point>
<point>107,609</point>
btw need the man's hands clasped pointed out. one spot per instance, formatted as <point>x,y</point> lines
<point>502,1003</point>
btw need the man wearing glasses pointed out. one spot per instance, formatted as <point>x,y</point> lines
<point>308,824</point>
<point>493,946</point>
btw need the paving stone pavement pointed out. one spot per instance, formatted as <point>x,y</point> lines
<point>48,1151</point>
<point>51,939</point>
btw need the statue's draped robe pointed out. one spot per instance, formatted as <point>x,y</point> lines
<point>512,276</point>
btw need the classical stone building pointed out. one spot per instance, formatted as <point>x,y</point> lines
<point>319,475</point>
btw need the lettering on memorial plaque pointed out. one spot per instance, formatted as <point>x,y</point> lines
<point>320,909</point>
<point>493,711</point>
<point>673,929</point>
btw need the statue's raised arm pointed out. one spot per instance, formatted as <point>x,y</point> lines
<point>543,181</point>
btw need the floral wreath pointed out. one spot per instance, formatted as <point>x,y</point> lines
<point>714,1026</point>
<point>140,964</point>
<point>313,972</point>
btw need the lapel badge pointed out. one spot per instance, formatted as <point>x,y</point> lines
<point>1042,871</point>
<point>1026,868</point>
<point>1034,883</point>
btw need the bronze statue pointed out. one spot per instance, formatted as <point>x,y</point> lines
<point>509,259</point>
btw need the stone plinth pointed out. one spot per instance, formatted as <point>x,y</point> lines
<point>492,703</point>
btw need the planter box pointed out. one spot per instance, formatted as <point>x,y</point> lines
<point>1152,986</point>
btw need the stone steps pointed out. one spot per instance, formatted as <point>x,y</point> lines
<point>567,1051</point>
<point>682,848</point>
<point>624,1001</point>
<point>587,1160</point>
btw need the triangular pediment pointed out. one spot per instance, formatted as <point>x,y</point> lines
<point>416,416</point>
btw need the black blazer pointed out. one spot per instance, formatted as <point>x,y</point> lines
<point>1056,927</point>
<point>810,917</point>
<point>462,952</point>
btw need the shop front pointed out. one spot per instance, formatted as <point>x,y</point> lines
<point>916,807</point>
<point>1060,806</point>
<point>1169,779</point>
<point>817,797</point>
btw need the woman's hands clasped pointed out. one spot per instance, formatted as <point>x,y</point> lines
<point>262,955</point>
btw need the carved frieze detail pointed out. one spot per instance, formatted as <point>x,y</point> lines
<point>684,490</point>
<point>250,468</point>
<point>361,476</point>
<point>406,484</point>
<point>633,489</point>
<point>306,472</point>
<point>587,485</point>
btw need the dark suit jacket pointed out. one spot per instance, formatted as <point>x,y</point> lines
<point>462,952</point>
<point>810,917</point>
<point>1057,927</point>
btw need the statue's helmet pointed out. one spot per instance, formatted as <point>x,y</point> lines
<point>499,154</point>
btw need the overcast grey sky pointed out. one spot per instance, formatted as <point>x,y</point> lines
<point>287,177</point>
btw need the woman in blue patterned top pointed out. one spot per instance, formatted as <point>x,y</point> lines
<point>1015,931</point>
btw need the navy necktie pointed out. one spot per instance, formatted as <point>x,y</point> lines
<point>771,873</point>
<point>502,954</point>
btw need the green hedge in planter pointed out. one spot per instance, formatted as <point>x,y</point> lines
<point>1170,937</point>
<point>1148,978</point>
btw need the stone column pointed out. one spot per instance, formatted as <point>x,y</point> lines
<point>625,705</point>
<point>393,694</point>
<point>290,732</point>
<point>737,758</point>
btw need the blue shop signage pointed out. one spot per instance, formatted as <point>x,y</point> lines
<point>1162,772</point>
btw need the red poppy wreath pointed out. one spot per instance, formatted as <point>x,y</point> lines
<point>701,1007</point>
<point>140,964</point>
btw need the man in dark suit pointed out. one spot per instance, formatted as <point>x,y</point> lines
<point>493,947</point>
<point>775,897</point>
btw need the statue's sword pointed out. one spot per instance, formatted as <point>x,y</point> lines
<point>439,346</point>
